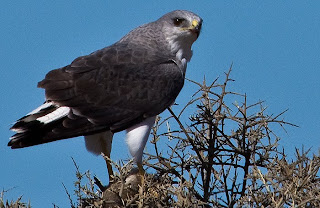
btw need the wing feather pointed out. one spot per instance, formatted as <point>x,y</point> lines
<point>108,87</point>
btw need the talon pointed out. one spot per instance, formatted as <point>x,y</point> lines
<point>99,184</point>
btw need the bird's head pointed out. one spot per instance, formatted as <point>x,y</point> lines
<point>181,28</point>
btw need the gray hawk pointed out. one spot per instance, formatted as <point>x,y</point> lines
<point>120,87</point>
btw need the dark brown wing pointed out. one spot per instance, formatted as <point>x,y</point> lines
<point>113,88</point>
<point>117,86</point>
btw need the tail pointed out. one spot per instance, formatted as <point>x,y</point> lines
<point>47,123</point>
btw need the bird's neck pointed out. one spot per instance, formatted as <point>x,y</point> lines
<point>181,47</point>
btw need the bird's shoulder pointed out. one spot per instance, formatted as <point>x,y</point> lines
<point>123,54</point>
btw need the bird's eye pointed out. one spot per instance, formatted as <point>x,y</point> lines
<point>178,21</point>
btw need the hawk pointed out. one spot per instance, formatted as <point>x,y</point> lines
<point>120,87</point>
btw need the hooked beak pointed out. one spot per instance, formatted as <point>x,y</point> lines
<point>196,27</point>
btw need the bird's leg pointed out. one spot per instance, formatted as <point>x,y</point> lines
<point>141,173</point>
<point>110,171</point>
<point>140,168</point>
<point>101,143</point>
<point>107,145</point>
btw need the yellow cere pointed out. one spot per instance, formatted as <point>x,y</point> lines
<point>194,23</point>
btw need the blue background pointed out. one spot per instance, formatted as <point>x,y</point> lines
<point>274,47</point>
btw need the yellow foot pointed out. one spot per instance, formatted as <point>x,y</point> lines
<point>109,167</point>
<point>142,175</point>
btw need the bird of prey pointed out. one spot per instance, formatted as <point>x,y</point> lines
<point>120,87</point>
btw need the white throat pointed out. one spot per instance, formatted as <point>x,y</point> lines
<point>181,46</point>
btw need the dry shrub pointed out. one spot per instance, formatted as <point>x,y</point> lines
<point>225,154</point>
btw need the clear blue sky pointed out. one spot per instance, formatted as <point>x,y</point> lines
<point>274,47</point>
